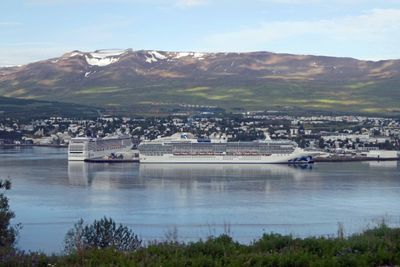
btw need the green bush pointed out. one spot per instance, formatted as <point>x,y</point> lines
<point>101,234</point>
<point>8,232</point>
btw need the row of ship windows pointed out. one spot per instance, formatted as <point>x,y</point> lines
<point>280,151</point>
<point>107,148</point>
<point>208,146</point>
<point>73,149</point>
<point>216,150</point>
<point>190,155</point>
<point>103,147</point>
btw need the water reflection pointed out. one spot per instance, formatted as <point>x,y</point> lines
<point>382,164</point>
<point>183,176</point>
<point>79,174</point>
<point>102,176</point>
<point>215,171</point>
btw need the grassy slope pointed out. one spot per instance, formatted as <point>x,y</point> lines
<point>12,107</point>
<point>379,98</point>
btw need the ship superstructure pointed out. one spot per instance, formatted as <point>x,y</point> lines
<point>185,148</point>
<point>82,148</point>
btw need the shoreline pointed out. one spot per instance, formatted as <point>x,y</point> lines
<point>33,145</point>
<point>351,159</point>
<point>316,160</point>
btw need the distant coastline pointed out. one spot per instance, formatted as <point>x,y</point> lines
<point>33,145</point>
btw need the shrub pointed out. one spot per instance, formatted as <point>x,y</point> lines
<point>101,234</point>
<point>8,233</point>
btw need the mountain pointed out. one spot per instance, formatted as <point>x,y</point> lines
<point>159,81</point>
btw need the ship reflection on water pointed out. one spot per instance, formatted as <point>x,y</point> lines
<point>99,175</point>
<point>78,173</point>
<point>184,175</point>
<point>213,171</point>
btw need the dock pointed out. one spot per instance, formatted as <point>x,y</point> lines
<point>136,160</point>
<point>351,159</point>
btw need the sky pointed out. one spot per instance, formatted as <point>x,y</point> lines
<point>32,30</point>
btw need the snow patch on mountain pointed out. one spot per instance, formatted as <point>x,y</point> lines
<point>196,55</point>
<point>103,58</point>
<point>101,62</point>
<point>107,53</point>
<point>157,55</point>
<point>89,73</point>
<point>151,59</point>
<point>73,54</point>
<point>154,56</point>
<point>182,54</point>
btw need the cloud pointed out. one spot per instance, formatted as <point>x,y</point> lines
<point>378,27</point>
<point>190,3</point>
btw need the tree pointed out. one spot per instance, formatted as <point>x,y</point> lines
<point>8,232</point>
<point>101,234</point>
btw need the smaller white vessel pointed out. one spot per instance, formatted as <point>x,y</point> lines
<point>82,148</point>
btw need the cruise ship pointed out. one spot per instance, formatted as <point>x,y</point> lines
<point>83,148</point>
<point>185,148</point>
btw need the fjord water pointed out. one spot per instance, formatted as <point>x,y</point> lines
<point>195,201</point>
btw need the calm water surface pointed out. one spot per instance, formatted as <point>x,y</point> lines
<point>49,195</point>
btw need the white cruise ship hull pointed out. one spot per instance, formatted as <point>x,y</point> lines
<point>81,149</point>
<point>298,156</point>
<point>93,154</point>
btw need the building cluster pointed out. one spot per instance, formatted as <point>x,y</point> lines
<point>337,134</point>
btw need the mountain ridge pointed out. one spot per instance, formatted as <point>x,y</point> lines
<point>203,52</point>
<point>121,78</point>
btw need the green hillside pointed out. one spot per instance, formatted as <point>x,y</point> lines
<point>22,108</point>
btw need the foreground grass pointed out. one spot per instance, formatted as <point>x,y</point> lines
<point>375,247</point>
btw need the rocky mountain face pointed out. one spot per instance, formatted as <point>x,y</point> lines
<point>140,80</point>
